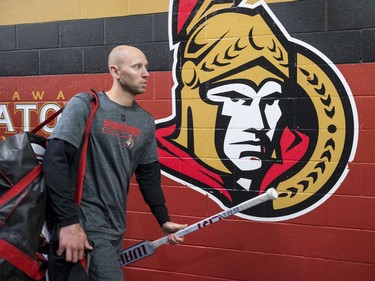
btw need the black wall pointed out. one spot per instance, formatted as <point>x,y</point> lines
<point>344,30</point>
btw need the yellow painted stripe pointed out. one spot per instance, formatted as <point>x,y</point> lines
<point>35,11</point>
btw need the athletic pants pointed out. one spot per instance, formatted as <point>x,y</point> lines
<point>104,263</point>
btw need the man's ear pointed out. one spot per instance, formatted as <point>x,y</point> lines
<point>114,70</point>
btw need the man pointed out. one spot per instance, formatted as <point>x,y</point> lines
<point>122,141</point>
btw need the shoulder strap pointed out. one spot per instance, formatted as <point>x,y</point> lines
<point>45,122</point>
<point>82,161</point>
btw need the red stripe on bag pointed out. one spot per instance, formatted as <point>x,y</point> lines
<point>20,260</point>
<point>21,185</point>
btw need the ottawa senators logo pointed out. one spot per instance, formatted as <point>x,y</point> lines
<point>253,108</point>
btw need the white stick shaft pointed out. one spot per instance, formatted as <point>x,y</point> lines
<point>271,194</point>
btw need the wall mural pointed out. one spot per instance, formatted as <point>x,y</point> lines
<point>253,108</point>
<point>27,109</point>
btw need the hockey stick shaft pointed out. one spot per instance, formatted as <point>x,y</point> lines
<point>271,194</point>
<point>146,248</point>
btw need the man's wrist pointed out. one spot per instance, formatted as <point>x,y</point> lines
<point>69,221</point>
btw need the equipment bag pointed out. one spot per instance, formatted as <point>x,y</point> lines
<point>23,203</point>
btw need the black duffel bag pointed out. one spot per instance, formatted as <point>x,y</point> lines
<point>22,208</point>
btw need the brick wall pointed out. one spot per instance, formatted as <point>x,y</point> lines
<point>58,56</point>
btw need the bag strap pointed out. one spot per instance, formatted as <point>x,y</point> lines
<point>83,157</point>
<point>22,261</point>
<point>57,113</point>
<point>45,122</point>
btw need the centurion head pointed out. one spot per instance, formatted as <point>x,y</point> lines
<point>252,107</point>
<point>229,55</point>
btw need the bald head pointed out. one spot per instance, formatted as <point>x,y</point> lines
<point>120,54</point>
<point>128,67</point>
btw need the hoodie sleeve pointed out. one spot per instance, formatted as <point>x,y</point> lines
<point>57,163</point>
<point>149,180</point>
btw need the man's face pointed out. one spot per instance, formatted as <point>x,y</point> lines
<point>133,73</point>
<point>253,119</point>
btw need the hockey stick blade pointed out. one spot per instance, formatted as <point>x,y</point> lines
<point>136,252</point>
<point>146,248</point>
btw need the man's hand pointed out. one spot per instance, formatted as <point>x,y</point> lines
<point>170,228</point>
<point>73,241</point>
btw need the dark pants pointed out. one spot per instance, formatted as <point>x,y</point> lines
<point>104,263</point>
<point>60,270</point>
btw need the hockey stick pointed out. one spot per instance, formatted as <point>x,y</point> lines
<point>147,248</point>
